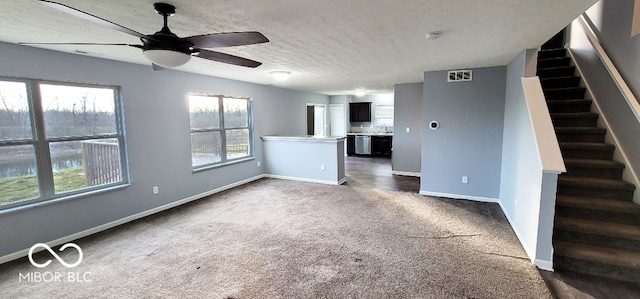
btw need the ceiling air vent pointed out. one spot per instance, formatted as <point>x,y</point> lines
<point>459,76</point>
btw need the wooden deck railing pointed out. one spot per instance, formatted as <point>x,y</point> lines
<point>101,162</point>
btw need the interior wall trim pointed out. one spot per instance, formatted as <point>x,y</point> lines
<point>459,196</point>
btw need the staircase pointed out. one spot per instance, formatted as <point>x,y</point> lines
<point>597,226</point>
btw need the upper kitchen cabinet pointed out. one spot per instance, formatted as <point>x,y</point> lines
<point>360,112</point>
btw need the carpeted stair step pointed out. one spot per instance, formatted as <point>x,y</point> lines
<point>617,211</point>
<point>597,188</point>
<point>562,52</point>
<point>605,262</point>
<point>569,106</point>
<point>553,62</point>
<point>576,119</point>
<point>553,72</point>
<point>580,134</point>
<point>560,82</point>
<point>602,169</point>
<point>586,150</point>
<point>598,233</point>
<point>566,93</point>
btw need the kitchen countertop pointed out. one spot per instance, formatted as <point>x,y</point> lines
<point>371,134</point>
<point>304,138</point>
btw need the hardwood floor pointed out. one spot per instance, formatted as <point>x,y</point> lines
<point>375,172</point>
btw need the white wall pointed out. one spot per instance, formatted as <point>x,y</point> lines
<point>527,193</point>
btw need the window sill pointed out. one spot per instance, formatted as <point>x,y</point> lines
<point>44,202</point>
<point>218,165</point>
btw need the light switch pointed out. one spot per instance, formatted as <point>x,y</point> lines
<point>408,130</point>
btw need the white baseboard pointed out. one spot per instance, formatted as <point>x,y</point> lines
<point>527,250</point>
<point>292,178</point>
<point>459,196</point>
<point>78,235</point>
<point>544,265</point>
<point>405,173</point>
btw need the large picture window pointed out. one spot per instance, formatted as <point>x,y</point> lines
<point>221,130</point>
<point>58,140</point>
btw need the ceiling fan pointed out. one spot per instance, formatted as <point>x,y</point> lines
<point>165,49</point>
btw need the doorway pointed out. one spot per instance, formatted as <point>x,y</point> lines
<point>316,119</point>
<point>337,119</point>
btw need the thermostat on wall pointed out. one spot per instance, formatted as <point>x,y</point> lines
<point>434,125</point>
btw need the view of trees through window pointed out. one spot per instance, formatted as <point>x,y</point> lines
<point>79,134</point>
<point>220,129</point>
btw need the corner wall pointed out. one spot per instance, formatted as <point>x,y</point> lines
<point>469,140</point>
<point>158,140</point>
<point>523,183</point>
<point>407,115</point>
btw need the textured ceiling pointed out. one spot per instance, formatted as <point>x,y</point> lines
<point>329,46</point>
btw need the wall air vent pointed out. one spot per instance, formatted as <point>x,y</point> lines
<point>460,76</point>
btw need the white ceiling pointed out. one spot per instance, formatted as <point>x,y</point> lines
<point>329,46</point>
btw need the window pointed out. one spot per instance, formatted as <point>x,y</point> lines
<point>221,129</point>
<point>384,115</point>
<point>58,140</point>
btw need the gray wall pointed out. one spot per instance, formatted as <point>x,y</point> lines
<point>614,20</point>
<point>157,124</point>
<point>302,159</point>
<point>469,140</point>
<point>407,114</point>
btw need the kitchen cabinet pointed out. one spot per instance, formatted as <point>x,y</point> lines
<point>360,112</point>
<point>381,146</point>
<point>351,145</point>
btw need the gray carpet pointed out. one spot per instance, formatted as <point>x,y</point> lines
<point>283,239</point>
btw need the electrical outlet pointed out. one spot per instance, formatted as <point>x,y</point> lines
<point>155,190</point>
<point>465,179</point>
<point>258,163</point>
<point>322,167</point>
<point>408,130</point>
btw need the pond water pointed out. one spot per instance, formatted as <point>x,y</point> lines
<point>28,167</point>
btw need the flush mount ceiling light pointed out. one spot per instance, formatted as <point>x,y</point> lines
<point>360,92</point>
<point>280,75</point>
<point>167,58</point>
<point>433,35</point>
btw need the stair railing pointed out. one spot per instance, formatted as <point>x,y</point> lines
<point>611,68</point>
<point>625,91</point>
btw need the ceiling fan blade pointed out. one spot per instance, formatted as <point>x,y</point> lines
<point>227,39</point>
<point>226,58</point>
<point>81,44</point>
<point>157,67</point>
<point>90,17</point>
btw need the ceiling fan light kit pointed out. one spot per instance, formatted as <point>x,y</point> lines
<point>280,75</point>
<point>360,92</point>
<point>165,49</point>
<point>167,58</point>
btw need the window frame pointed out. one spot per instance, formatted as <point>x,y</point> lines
<point>222,129</point>
<point>42,150</point>
<point>377,118</point>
